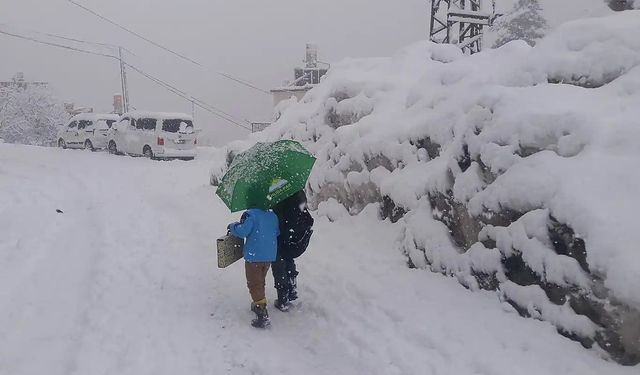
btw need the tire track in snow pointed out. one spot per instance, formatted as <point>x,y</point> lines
<point>151,303</point>
<point>56,273</point>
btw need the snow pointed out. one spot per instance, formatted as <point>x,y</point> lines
<point>94,117</point>
<point>593,50</point>
<point>555,12</point>
<point>125,281</point>
<point>185,128</point>
<point>529,236</point>
<point>539,306</point>
<point>158,115</point>
<point>559,12</point>
<point>548,132</point>
<point>30,115</point>
<point>332,210</point>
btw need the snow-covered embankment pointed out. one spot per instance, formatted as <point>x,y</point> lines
<point>513,170</point>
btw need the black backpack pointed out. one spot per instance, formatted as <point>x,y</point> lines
<point>295,225</point>
<point>298,243</point>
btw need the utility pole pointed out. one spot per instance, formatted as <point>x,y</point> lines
<point>193,110</point>
<point>123,82</point>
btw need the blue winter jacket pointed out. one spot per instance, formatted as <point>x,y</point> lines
<point>260,229</point>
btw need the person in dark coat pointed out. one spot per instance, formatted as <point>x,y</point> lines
<point>295,223</point>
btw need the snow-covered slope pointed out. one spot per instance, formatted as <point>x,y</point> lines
<point>511,169</point>
<point>124,281</point>
<point>557,12</point>
<point>554,13</point>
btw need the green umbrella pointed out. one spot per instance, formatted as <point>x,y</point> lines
<point>265,175</point>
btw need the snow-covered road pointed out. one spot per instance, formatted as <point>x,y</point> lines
<point>124,281</point>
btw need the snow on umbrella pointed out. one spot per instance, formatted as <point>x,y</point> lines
<point>265,175</point>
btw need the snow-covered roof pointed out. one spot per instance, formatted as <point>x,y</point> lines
<point>159,115</point>
<point>95,116</point>
<point>292,88</point>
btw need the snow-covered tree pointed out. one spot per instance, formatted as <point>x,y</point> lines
<point>525,22</point>
<point>30,115</point>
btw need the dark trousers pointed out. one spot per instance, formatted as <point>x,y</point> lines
<point>284,275</point>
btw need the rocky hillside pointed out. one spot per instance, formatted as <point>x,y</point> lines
<point>512,170</point>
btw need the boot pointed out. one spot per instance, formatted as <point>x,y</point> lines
<point>293,288</point>
<point>262,315</point>
<point>282,303</point>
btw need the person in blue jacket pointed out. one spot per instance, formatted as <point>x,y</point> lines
<point>260,230</point>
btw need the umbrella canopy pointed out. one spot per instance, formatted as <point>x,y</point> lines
<point>265,175</point>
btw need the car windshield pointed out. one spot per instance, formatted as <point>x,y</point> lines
<point>174,125</point>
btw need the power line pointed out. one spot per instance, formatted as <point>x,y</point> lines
<point>78,40</point>
<point>200,103</point>
<point>86,42</point>
<point>244,82</point>
<point>183,57</point>
<point>132,32</point>
<point>57,45</point>
<point>69,39</point>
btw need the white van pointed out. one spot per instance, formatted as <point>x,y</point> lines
<point>87,130</point>
<point>156,135</point>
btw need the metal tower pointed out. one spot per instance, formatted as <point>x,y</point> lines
<point>459,22</point>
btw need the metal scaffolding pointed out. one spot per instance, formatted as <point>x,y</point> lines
<point>459,22</point>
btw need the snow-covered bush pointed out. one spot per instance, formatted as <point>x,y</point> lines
<point>501,175</point>
<point>591,53</point>
<point>30,115</point>
<point>525,22</point>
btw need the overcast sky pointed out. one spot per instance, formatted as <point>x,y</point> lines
<point>257,40</point>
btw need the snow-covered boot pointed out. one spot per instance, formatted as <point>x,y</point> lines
<point>282,303</point>
<point>262,315</point>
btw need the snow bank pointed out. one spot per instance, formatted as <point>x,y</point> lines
<point>501,172</point>
<point>592,52</point>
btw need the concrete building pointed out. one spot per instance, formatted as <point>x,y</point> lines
<point>72,110</point>
<point>304,78</point>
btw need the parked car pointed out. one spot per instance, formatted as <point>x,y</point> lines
<point>87,130</point>
<point>155,135</point>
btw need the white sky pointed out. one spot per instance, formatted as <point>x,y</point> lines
<point>258,40</point>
